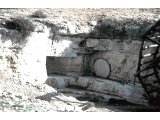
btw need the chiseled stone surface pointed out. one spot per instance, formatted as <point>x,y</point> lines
<point>59,81</point>
<point>92,42</point>
<point>65,65</point>
<point>123,65</point>
<point>102,68</point>
<point>105,85</point>
<point>124,46</point>
<point>127,91</point>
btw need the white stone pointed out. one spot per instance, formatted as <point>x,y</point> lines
<point>59,81</point>
<point>83,81</point>
<point>10,102</point>
<point>32,60</point>
<point>93,23</point>
<point>108,86</point>
<point>65,65</point>
<point>102,68</point>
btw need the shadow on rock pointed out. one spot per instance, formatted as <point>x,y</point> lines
<point>47,97</point>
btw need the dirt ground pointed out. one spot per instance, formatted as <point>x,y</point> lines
<point>112,105</point>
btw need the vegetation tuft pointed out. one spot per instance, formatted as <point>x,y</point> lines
<point>23,26</point>
<point>39,14</point>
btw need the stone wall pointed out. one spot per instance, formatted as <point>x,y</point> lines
<point>71,66</point>
<point>122,56</point>
<point>65,42</point>
<point>70,52</point>
<point>114,40</point>
<point>78,70</point>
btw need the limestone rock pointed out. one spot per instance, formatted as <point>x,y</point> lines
<point>91,42</point>
<point>45,88</point>
<point>92,23</point>
<point>102,68</point>
<point>59,81</point>
<point>65,65</point>
<point>111,87</point>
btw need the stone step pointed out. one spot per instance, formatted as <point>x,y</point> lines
<point>100,86</point>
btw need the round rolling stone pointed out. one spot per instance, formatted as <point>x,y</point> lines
<point>102,68</point>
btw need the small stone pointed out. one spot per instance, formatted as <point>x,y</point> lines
<point>12,96</point>
<point>11,102</point>
<point>16,99</point>
<point>18,96</point>
<point>93,23</point>
<point>70,108</point>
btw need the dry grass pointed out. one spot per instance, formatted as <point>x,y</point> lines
<point>86,14</point>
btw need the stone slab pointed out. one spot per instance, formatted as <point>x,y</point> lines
<point>100,86</point>
<point>64,65</point>
<point>58,81</point>
<point>102,68</point>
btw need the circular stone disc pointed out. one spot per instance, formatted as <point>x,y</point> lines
<point>102,68</point>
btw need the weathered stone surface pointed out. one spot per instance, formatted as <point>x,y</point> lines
<point>112,87</point>
<point>65,65</point>
<point>124,46</point>
<point>102,68</point>
<point>92,42</point>
<point>118,46</point>
<point>61,48</point>
<point>123,65</point>
<point>92,23</point>
<point>64,46</point>
<point>60,81</point>
<point>132,47</point>
<point>121,55</point>
<point>32,58</point>
<point>115,58</point>
<point>26,62</point>
<point>99,44</point>
<point>104,86</point>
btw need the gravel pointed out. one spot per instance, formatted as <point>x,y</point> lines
<point>10,102</point>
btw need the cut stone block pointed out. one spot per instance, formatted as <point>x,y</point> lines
<point>92,42</point>
<point>60,81</point>
<point>100,86</point>
<point>65,65</point>
<point>102,68</point>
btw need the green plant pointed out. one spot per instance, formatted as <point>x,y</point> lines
<point>106,30</point>
<point>39,14</point>
<point>23,26</point>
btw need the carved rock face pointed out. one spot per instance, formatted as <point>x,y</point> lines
<point>102,68</point>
